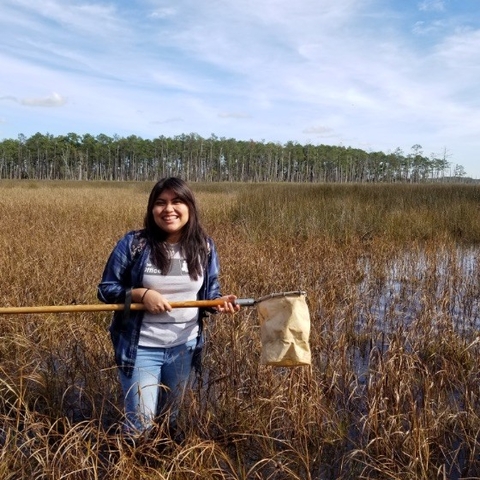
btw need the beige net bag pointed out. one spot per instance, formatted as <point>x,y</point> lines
<point>284,329</point>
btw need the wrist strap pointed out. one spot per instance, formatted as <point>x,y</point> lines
<point>126,308</point>
<point>144,293</point>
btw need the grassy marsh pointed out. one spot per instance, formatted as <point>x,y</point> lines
<point>392,280</point>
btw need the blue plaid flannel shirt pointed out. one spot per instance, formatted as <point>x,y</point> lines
<point>123,272</point>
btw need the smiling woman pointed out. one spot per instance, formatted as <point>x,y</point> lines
<point>171,259</point>
<point>171,214</point>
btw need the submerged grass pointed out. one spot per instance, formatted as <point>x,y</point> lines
<point>391,274</point>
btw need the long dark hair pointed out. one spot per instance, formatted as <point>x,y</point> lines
<point>193,239</point>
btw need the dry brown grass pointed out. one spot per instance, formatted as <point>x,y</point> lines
<point>392,285</point>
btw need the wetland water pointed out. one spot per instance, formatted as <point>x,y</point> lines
<point>440,286</point>
<point>410,308</point>
<point>414,295</point>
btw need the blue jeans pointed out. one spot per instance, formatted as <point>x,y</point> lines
<point>157,385</point>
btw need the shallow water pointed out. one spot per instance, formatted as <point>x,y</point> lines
<point>412,298</point>
<point>442,284</point>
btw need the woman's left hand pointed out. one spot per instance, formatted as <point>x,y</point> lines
<point>228,305</point>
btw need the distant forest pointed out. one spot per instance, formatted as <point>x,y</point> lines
<point>197,159</point>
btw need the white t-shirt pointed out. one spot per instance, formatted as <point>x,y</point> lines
<point>170,329</point>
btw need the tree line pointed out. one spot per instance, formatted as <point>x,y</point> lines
<point>102,157</point>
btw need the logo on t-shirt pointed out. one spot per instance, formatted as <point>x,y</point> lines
<point>178,268</point>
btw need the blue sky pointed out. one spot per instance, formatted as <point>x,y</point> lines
<point>370,74</point>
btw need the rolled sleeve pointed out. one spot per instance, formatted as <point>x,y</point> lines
<point>213,285</point>
<point>115,279</point>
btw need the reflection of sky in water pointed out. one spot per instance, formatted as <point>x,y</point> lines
<point>443,285</point>
<point>415,293</point>
<point>412,302</point>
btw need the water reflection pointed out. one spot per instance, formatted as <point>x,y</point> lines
<point>413,350</point>
<point>442,285</point>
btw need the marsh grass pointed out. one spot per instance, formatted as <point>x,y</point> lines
<point>392,212</point>
<point>392,281</point>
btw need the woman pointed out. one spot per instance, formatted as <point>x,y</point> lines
<point>170,259</point>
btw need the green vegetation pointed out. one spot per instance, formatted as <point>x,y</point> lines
<point>197,159</point>
<point>391,275</point>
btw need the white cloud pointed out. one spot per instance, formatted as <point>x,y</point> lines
<point>427,28</point>
<point>162,13</point>
<point>319,131</point>
<point>167,120</point>
<point>432,5</point>
<point>462,48</point>
<point>53,100</point>
<point>234,115</point>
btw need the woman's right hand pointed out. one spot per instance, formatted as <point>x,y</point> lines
<point>228,305</point>
<point>155,302</point>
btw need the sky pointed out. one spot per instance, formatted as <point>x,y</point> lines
<point>371,74</point>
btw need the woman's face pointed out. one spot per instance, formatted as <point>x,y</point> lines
<point>170,214</point>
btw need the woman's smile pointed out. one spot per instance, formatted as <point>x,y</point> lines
<point>171,214</point>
